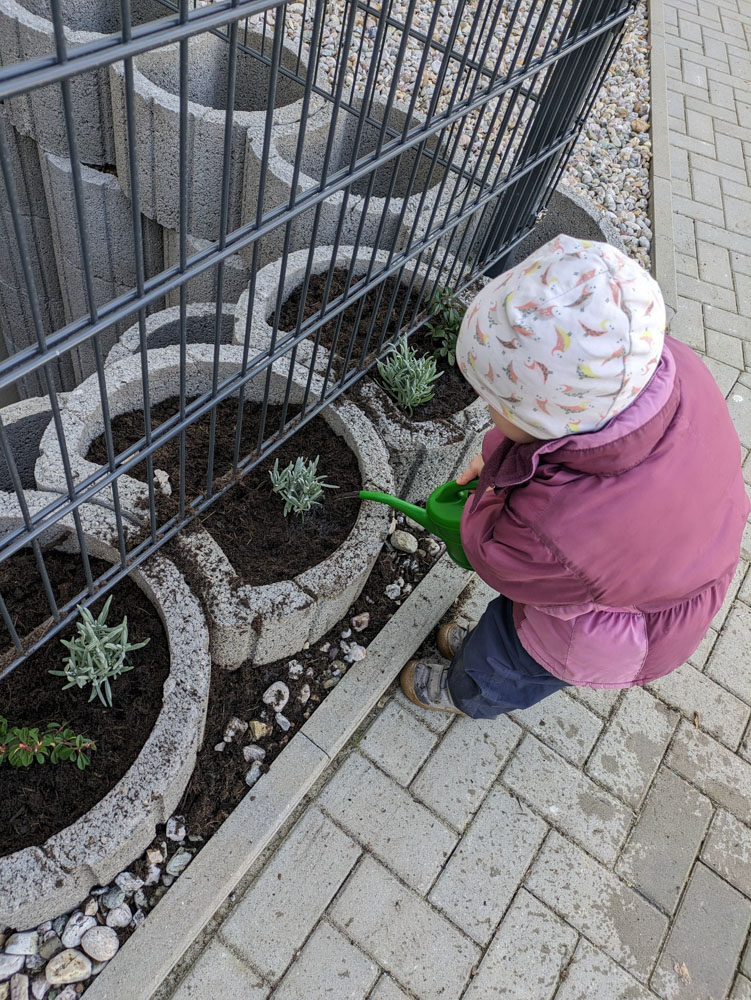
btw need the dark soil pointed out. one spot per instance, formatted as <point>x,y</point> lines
<point>218,782</point>
<point>247,522</point>
<point>452,391</point>
<point>42,799</point>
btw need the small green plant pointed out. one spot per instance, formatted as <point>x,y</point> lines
<point>446,313</point>
<point>299,485</point>
<point>22,746</point>
<point>97,654</point>
<point>407,377</point>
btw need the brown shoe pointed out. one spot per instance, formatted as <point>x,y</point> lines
<point>450,638</point>
<point>425,684</point>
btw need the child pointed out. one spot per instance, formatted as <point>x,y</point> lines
<point>610,505</point>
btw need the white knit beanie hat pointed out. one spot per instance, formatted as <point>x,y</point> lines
<point>565,340</point>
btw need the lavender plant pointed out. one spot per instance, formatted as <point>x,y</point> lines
<point>22,746</point>
<point>407,377</point>
<point>97,654</point>
<point>299,485</point>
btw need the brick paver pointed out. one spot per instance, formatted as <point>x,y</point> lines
<point>595,847</point>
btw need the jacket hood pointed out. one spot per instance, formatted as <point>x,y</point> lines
<point>623,443</point>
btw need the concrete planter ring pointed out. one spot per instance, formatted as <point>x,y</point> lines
<point>380,218</point>
<point>26,33</point>
<point>37,883</point>
<point>25,423</point>
<point>157,88</point>
<point>263,622</point>
<point>423,454</point>
<point>163,329</point>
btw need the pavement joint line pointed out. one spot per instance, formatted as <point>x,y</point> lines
<point>150,954</point>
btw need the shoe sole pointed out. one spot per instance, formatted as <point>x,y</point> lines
<point>407,682</point>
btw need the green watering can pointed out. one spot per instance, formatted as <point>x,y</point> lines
<point>441,515</point>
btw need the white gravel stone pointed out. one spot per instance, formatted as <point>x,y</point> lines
<point>75,929</point>
<point>295,669</point>
<point>276,696</point>
<point>304,695</point>
<point>393,591</point>
<point>10,965</point>
<point>360,622</point>
<point>356,653</point>
<point>120,916</point>
<point>176,829</point>
<point>23,943</point>
<point>403,541</point>
<point>70,966</point>
<point>283,722</point>
<point>19,987</point>
<point>100,943</point>
<point>235,727</point>
<point>40,987</point>
<point>253,774</point>
<point>251,753</point>
<point>129,882</point>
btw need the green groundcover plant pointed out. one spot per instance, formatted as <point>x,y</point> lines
<point>407,377</point>
<point>21,746</point>
<point>97,654</point>
<point>299,485</point>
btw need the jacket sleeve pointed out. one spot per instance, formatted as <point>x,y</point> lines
<point>513,559</point>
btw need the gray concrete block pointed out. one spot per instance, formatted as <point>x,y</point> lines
<point>609,914</point>
<point>162,329</point>
<point>26,33</point>
<point>109,229</point>
<point>405,935</point>
<point>711,911</point>
<point>219,973</point>
<point>694,695</point>
<point>328,966</point>
<point>661,849</point>
<point>388,822</point>
<point>467,761</point>
<point>592,974</point>
<point>386,989</point>
<point>156,85</point>
<point>423,454</point>
<point>629,751</point>
<point>204,287</point>
<point>326,855</point>
<point>16,318</point>
<point>564,724</point>
<point>112,833</point>
<point>485,870</point>
<point>713,769</point>
<point>598,700</point>
<point>398,743</point>
<point>568,799</point>
<point>25,422</point>
<point>532,946</point>
<point>741,989</point>
<point>728,850</point>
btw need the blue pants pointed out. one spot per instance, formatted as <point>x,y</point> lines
<point>493,673</point>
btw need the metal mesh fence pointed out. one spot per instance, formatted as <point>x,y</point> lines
<point>188,153</point>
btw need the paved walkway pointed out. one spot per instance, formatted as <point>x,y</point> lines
<point>595,847</point>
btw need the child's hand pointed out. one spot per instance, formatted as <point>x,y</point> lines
<point>472,471</point>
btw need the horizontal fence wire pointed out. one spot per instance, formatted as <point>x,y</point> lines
<point>227,154</point>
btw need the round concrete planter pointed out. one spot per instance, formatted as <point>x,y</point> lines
<point>423,454</point>
<point>203,288</point>
<point>26,33</point>
<point>263,622</point>
<point>156,81</point>
<point>25,423</point>
<point>38,883</point>
<point>381,212</point>
<point>163,330</point>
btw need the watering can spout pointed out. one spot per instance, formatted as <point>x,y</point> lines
<point>418,514</point>
<point>441,515</point>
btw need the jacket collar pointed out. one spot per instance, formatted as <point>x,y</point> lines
<point>623,443</point>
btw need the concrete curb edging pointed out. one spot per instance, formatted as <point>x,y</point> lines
<point>153,950</point>
<point>264,622</point>
<point>37,883</point>
<point>661,180</point>
<point>423,454</point>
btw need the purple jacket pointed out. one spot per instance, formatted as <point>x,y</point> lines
<point>617,547</point>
